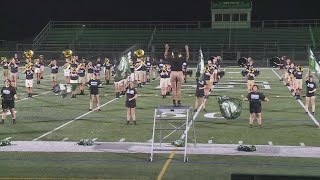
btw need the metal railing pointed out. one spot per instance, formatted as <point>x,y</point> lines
<point>42,33</point>
<point>150,25</point>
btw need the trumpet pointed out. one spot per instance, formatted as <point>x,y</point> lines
<point>139,53</point>
<point>28,54</point>
<point>67,53</point>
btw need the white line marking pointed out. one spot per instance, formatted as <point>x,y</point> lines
<point>302,144</point>
<point>65,124</point>
<point>33,96</point>
<point>270,143</point>
<point>65,139</point>
<point>240,142</point>
<point>300,102</point>
<point>122,139</point>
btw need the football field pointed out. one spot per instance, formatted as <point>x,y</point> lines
<point>49,117</point>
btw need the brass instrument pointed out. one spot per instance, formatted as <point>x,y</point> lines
<point>28,67</point>
<point>106,61</point>
<point>139,53</point>
<point>28,54</point>
<point>4,60</point>
<point>299,68</point>
<point>67,53</point>
<point>41,56</point>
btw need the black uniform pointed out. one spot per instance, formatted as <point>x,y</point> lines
<point>310,87</point>
<point>29,74</point>
<point>54,69</point>
<point>255,101</point>
<point>13,68</point>
<point>131,92</point>
<point>200,84</point>
<point>176,64</point>
<point>7,94</point>
<point>298,74</point>
<point>94,84</point>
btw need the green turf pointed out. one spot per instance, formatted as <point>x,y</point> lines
<point>136,166</point>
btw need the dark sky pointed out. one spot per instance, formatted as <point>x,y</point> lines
<point>21,19</point>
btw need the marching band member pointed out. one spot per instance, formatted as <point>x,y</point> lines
<point>74,81</point>
<point>131,77</point>
<point>97,69</point>
<point>282,67</point>
<point>18,63</point>
<point>291,78</point>
<point>14,72</point>
<point>311,89</point>
<point>298,73</point>
<point>74,63</point>
<point>37,70</point>
<point>176,75</point>
<point>28,71</point>
<point>143,72</point>
<point>66,71</point>
<point>94,91</point>
<point>250,79</point>
<point>148,69</point>
<point>201,86</point>
<point>5,70</point>
<point>255,99</point>
<point>286,74</point>
<point>117,86</point>
<point>90,71</point>
<point>8,94</point>
<point>164,75</point>
<point>160,65</point>
<point>169,89</point>
<point>208,78</point>
<point>132,95</point>
<point>107,71</point>
<point>54,72</point>
<point>42,65</point>
<point>138,72</point>
<point>216,67</point>
<point>82,77</point>
<point>154,69</point>
<point>184,70</point>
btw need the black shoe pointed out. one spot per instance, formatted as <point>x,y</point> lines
<point>179,103</point>
<point>2,121</point>
<point>41,77</point>
<point>99,110</point>
<point>174,103</point>
<point>153,78</point>
<point>128,122</point>
<point>313,113</point>
<point>306,113</point>
<point>195,110</point>
<point>107,81</point>
<point>14,121</point>
<point>162,96</point>
<point>250,126</point>
<point>117,95</point>
<point>134,122</point>
<point>204,110</point>
<point>90,109</point>
<point>281,79</point>
<point>81,93</point>
<point>260,126</point>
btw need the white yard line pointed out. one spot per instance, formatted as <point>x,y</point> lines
<point>65,124</point>
<point>33,96</point>
<point>300,102</point>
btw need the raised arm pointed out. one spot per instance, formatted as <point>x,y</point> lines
<point>187,52</point>
<point>166,51</point>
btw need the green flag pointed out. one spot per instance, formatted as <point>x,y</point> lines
<point>313,64</point>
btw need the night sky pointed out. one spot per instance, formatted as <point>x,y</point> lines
<point>23,19</point>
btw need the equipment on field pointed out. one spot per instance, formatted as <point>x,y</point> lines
<point>86,142</point>
<point>63,89</point>
<point>5,142</point>
<point>230,108</point>
<point>169,122</point>
<point>246,148</point>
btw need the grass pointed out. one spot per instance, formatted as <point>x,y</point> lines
<point>284,123</point>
